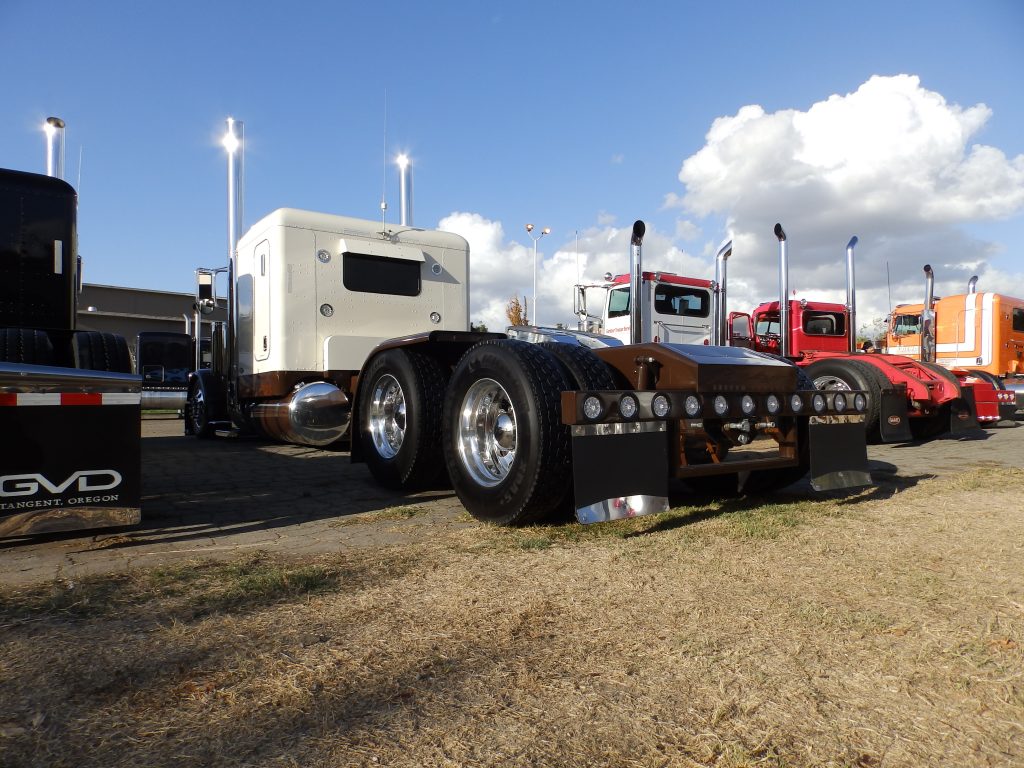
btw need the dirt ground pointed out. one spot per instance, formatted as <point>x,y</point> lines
<point>881,628</point>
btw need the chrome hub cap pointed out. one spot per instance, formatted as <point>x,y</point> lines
<point>387,416</point>
<point>486,438</point>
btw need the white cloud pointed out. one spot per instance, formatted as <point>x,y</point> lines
<point>892,162</point>
<point>500,269</point>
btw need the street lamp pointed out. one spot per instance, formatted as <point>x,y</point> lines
<point>529,231</point>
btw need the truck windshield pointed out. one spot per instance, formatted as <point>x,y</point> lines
<point>904,325</point>
<point>618,302</point>
<point>767,324</point>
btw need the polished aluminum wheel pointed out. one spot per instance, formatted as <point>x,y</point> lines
<point>832,383</point>
<point>387,416</point>
<point>486,437</point>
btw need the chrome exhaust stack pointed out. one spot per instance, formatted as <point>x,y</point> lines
<point>636,271</point>
<point>851,296</point>
<point>784,344</point>
<point>234,144</point>
<point>928,317</point>
<point>719,318</point>
<point>54,128</point>
<point>972,284</point>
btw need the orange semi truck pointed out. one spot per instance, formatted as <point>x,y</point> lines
<point>979,334</point>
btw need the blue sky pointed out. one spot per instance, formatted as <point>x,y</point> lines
<point>579,116</point>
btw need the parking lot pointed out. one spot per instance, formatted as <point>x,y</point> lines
<point>219,498</point>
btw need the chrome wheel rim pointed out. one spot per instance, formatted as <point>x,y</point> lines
<point>198,411</point>
<point>832,383</point>
<point>387,416</point>
<point>487,433</point>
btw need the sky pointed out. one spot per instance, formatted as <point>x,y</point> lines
<point>896,122</point>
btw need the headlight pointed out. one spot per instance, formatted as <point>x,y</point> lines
<point>839,402</point>
<point>860,402</point>
<point>628,406</point>
<point>592,407</point>
<point>818,402</point>
<point>692,405</point>
<point>773,403</point>
<point>660,406</point>
<point>748,405</point>
<point>796,403</point>
<point>721,405</point>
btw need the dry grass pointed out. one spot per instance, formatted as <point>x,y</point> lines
<point>864,632</point>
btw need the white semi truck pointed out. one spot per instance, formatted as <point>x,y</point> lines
<point>345,330</point>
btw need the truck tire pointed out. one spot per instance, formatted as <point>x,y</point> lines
<point>845,374</point>
<point>197,415</point>
<point>400,398</point>
<point>25,345</point>
<point>505,446</point>
<point>584,369</point>
<point>98,351</point>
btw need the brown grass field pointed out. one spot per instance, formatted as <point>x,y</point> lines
<point>862,631</point>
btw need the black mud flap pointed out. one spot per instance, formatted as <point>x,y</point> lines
<point>839,454</point>
<point>963,413</point>
<point>619,470</point>
<point>893,422</point>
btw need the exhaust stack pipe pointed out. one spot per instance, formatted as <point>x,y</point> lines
<point>851,295</point>
<point>234,143</point>
<point>719,319</point>
<point>405,190</point>
<point>972,284</point>
<point>636,270</point>
<point>54,128</point>
<point>928,317</point>
<point>780,233</point>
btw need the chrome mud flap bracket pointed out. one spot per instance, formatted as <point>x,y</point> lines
<point>963,413</point>
<point>839,454</point>
<point>893,422</point>
<point>619,470</point>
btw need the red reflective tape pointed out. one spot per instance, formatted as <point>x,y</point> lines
<point>8,398</point>
<point>81,398</point>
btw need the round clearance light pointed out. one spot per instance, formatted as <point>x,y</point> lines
<point>628,406</point>
<point>592,407</point>
<point>721,405</point>
<point>661,405</point>
<point>860,402</point>
<point>839,402</point>
<point>773,403</point>
<point>796,403</point>
<point>818,403</point>
<point>326,310</point>
<point>692,405</point>
<point>748,405</point>
<point>435,317</point>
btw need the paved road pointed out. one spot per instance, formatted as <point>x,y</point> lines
<point>218,498</point>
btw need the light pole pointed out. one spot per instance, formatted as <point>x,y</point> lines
<point>529,231</point>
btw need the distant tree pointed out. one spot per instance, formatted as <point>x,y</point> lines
<point>479,327</point>
<point>516,311</point>
<point>873,332</point>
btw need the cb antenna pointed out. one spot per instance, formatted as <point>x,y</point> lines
<point>384,175</point>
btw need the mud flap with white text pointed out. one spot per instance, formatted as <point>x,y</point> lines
<point>619,470</point>
<point>839,455</point>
